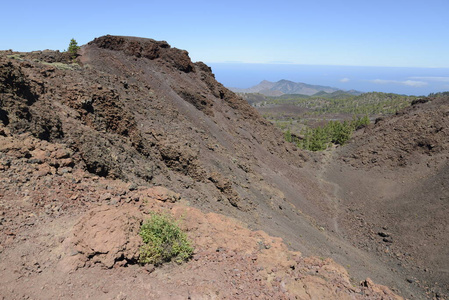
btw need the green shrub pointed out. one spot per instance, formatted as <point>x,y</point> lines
<point>163,241</point>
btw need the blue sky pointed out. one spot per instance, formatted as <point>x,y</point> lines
<point>327,32</point>
<point>393,33</point>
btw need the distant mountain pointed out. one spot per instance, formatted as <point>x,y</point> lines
<point>281,87</point>
<point>338,94</point>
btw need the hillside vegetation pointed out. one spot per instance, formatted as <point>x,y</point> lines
<point>315,122</point>
<point>282,87</point>
<point>322,137</point>
<point>339,102</point>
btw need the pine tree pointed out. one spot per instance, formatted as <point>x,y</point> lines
<point>288,136</point>
<point>73,48</point>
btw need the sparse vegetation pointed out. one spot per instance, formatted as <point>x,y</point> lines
<point>163,241</point>
<point>439,94</point>
<point>321,137</point>
<point>62,66</point>
<point>16,56</point>
<point>301,117</point>
<point>341,103</point>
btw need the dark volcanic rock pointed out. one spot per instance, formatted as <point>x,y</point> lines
<point>395,174</point>
<point>401,140</point>
<point>147,48</point>
<point>141,111</point>
<point>383,234</point>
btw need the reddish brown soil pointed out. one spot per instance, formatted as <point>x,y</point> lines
<point>84,146</point>
<point>68,234</point>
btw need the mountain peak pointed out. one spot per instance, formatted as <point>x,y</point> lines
<point>145,48</point>
<point>285,86</point>
<point>285,81</point>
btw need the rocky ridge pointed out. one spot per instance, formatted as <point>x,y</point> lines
<point>391,185</point>
<point>417,134</point>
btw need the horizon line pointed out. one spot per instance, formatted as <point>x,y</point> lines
<point>323,65</point>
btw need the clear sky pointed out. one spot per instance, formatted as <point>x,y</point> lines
<point>247,41</point>
<point>326,32</point>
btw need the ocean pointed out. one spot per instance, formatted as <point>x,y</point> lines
<point>408,81</point>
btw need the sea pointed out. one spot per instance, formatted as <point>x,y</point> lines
<point>399,80</point>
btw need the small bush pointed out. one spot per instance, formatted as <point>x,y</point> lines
<point>163,241</point>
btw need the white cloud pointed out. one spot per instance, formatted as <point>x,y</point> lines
<point>382,81</point>
<point>432,78</point>
<point>345,80</point>
<point>280,62</point>
<point>413,83</point>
